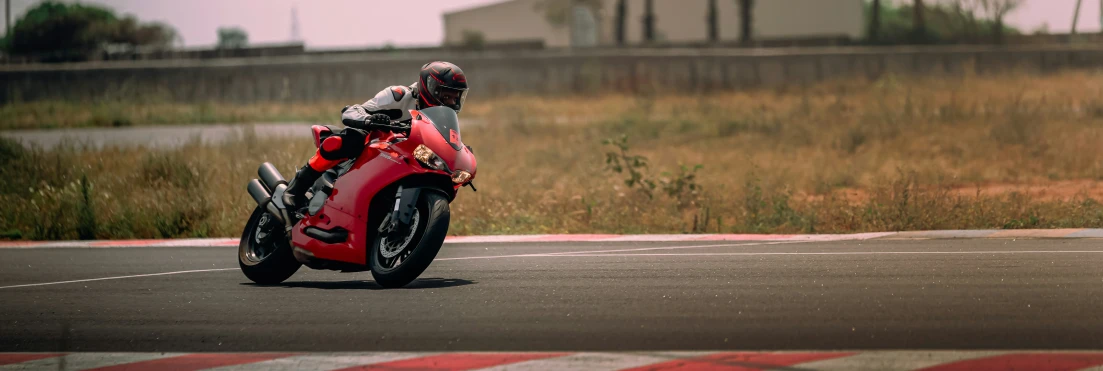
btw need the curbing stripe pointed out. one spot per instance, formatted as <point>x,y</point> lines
<point>10,358</point>
<point>1086,233</point>
<point>85,361</point>
<point>653,238</point>
<point>193,362</point>
<point>525,361</point>
<point>322,362</point>
<point>568,237</point>
<point>586,361</point>
<point>1034,233</point>
<point>982,233</point>
<point>486,239</point>
<point>750,237</point>
<point>893,361</point>
<point>1026,361</point>
<point>742,361</point>
<point>457,361</point>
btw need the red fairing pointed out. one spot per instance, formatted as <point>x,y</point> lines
<point>348,203</point>
<point>318,131</point>
<point>331,144</point>
<point>381,165</point>
<point>456,160</point>
<point>329,218</point>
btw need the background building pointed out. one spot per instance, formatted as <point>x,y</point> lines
<point>583,23</point>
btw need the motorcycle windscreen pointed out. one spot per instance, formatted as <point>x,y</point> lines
<point>447,123</point>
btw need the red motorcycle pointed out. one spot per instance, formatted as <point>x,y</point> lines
<point>386,210</point>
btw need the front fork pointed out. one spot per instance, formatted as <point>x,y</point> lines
<point>397,223</point>
<point>278,217</point>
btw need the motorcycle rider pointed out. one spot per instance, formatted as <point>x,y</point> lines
<point>439,84</point>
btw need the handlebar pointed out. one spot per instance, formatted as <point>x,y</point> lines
<point>392,127</point>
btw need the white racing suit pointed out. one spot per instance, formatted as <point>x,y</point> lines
<point>395,101</point>
<point>342,144</point>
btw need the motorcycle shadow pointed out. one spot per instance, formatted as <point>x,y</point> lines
<point>420,283</point>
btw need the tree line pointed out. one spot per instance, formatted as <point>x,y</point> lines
<point>54,31</point>
<point>939,22</point>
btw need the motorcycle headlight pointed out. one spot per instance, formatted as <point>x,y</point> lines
<point>461,177</point>
<point>427,158</point>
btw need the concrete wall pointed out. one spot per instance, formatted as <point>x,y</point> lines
<point>355,78</point>
<point>681,21</point>
<point>677,21</point>
<point>518,20</point>
<point>799,18</point>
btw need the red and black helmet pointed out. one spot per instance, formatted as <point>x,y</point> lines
<point>442,84</point>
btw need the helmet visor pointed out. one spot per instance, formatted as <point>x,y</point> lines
<point>453,98</point>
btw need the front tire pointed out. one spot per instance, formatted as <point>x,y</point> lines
<point>266,260</point>
<point>433,216</point>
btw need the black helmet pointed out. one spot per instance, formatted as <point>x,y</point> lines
<point>442,84</point>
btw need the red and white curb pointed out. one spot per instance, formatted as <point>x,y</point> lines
<point>537,238</point>
<point>875,360</point>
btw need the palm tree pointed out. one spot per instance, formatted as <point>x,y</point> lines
<point>714,24</point>
<point>746,15</point>
<point>1076,17</point>
<point>649,21</point>
<point>919,24</point>
<point>875,21</point>
<point>998,10</point>
<point>622,13</point>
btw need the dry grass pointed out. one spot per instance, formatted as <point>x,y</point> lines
<point>54,114</point>
<point>774,161</point>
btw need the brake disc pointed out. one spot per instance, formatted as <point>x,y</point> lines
<point>389,250</point>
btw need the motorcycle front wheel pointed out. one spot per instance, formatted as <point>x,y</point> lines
<point>397,263</point>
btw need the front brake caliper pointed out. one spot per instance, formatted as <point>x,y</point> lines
<point>264,229</point>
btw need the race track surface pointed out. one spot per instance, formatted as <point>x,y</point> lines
<point>937,294</point>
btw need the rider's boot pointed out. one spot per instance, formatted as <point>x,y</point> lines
<point>295,195</point>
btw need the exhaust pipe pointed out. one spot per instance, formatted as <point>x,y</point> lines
<point>264,199</point>
<point>270,177</point>
<point>259,193</point>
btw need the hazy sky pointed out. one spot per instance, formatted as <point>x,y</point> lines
<point>354,23</point>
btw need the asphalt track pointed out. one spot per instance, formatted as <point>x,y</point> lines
<point>1042,294</point>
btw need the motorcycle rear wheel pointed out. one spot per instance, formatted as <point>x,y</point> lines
<point>269,262</point>
<point>431,228</point>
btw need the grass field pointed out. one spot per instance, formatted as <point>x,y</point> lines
<point>893,154</point>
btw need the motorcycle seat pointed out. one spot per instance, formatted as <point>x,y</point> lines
<point>321,132</point>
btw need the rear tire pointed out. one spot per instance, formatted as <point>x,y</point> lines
<point>270,263</point>
<point>432,227</point>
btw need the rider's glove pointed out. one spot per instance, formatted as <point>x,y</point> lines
<point>379,119</point>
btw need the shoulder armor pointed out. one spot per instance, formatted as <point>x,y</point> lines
<point>398,92</point>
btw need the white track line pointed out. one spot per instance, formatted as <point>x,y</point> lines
<point>442,259</point>
<point>845,253</point>
<point>117,278</point>
<point>569,253</point>
<point>607,253</point>
<point>680,247</point>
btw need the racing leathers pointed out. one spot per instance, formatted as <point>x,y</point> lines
<point>393,104</point>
